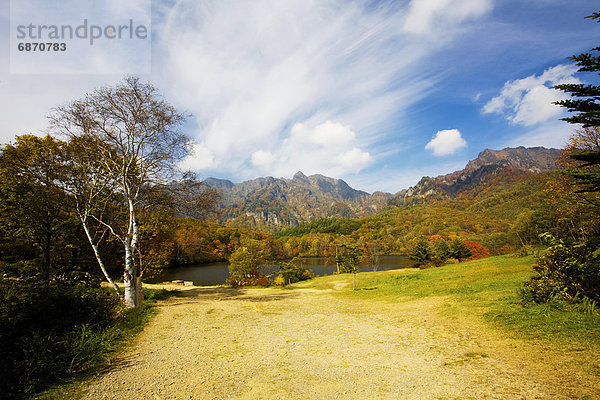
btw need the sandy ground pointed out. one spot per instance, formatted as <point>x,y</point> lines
<point>217,343</point>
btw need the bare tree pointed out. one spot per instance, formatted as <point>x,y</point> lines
<point>133,136</point>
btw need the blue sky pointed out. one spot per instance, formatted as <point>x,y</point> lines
<point>377,93</point>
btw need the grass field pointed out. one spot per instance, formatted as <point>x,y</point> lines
<point>484,290</point>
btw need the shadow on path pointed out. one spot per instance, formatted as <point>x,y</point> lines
<point>211,293</point>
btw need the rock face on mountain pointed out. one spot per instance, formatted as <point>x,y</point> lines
<point>275,203</point>
<point>534,159</point>
<point>488,164</point>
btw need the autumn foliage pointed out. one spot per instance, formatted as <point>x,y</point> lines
<point>477,249</point>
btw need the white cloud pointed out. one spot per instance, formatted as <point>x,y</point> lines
<point>446,142</point>
<point>325,134</point>
<point>262,159</point>
<point>200,158</point>
<point>528,101</point>
<point>330,148</point>
<point>354,159</point>
<point>438,16</point>
<point>548,134</point>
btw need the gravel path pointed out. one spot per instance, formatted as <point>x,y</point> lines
<point>217,343</point>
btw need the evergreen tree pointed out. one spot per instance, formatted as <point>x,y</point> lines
<point>442,250</point>
<point>459,250</point>
<point>585,102</point>
<point>587,97</point>
<point>421,252</point>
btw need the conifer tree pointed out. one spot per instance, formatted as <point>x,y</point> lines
<point>585,102</point>
<point>421,251</point>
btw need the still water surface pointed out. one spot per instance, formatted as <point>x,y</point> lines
<point>216,273</point>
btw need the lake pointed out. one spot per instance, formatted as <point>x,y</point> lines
<point>215,273</point>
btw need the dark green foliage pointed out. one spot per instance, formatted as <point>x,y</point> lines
<point>585,97</point>
<point>589,179</point>
<point>290,272</point>
<point>50,332</point>
<point>565,272</point>
<point>442,250</point>
<point>348,258</point>
<point>340,226</point>
<point>459,250</point>
<point>421,251</point>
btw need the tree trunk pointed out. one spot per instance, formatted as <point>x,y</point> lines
<point>132,277</point>
<point>98,258</point>
<point>131,280</point>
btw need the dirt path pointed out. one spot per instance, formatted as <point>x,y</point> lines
<point>217,343</point>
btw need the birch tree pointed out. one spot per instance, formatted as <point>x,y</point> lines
<point>91,190</point>
<point>133,135</point>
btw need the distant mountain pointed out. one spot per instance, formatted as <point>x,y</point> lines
<point>273,204</point>
<point>488,164</point>
<point>276,203</point>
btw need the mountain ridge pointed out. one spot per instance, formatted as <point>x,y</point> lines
<point>271,204</point>
<point>489,163</point>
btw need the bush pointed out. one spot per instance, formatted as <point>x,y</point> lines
<point>243,268</point>
<point>248,281</point>
<point>291,273</point>
<point>51,331</point>
<point>565,272</point>
<point>477,250</point>
<point>525,250</point>
<point>437,261</point>
<point>442,251</point>
<point>279,281</point>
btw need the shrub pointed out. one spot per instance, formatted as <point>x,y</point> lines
<point>248,281</point>
<point>51,331</point>
<point>437,261</point>
<point>291,273</point>
<point>477,250</point>
<point>567,272</point>
<point>279,281</point>
<point>442,250</point>
<point>243,268</point>
<point>525,250</point>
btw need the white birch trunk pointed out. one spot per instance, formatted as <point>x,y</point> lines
<point>98,258</point>
<point>131,276</point>
<point>130,279</point>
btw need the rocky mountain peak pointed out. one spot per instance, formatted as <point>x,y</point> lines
<point>300,178</point>
<point>488,163</point>
<point>534,159</point>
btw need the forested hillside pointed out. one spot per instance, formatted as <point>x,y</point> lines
<point>504,213</point>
